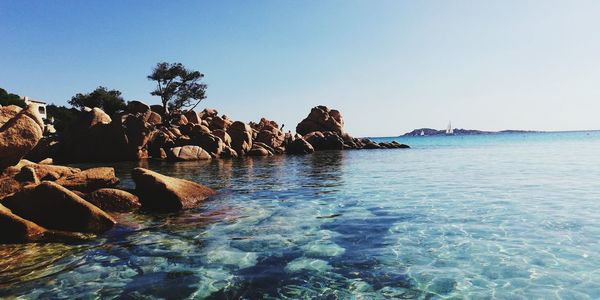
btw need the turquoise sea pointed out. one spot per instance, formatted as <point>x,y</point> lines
<point>504,216</point>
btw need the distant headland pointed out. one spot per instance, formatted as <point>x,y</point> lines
<point>459,131</point>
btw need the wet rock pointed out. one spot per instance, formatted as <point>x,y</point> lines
<point>325,140</point>
<point>54,207</point>
<point>114,200</point>
<point>228,152</point>
<point>371,145</point>
<point>90,179</point>
<point>19,135</point>
<point>188,152</point>
<point>299,146</point>
<point>258,151</point>
<point>164,193</point>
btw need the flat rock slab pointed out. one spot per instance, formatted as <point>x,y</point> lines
<point>114,200</point>
<point>90,180</point>
<point>158,192</point>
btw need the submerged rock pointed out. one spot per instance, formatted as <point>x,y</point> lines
<point>163,193</point>
<point>54,207</point>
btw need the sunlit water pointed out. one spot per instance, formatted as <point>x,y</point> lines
<point>482,217</point>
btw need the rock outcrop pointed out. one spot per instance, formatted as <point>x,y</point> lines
<point>322,119</point>
<point>158,192</point>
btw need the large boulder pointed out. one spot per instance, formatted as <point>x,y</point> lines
<point>228,152</point>
<point>323,119</point>
<point>16,229</point>
<point>220,123</point>
<point>188,152</point>
<point>241,137</point>
<point>8,112</point>
<point>192,117</point>
<point>269,133</point>
<point>114,200</point>
<point>138,107</point>
<point>163,193</point>
<point>209,142</point>
<point>90,179</point>
<point>19,135</point>
<point>208,113</point>
<point>223,135</point>
<point>54,207</point>
<point>154,118</point>
<point>259,150</point>
<point>299,146</point>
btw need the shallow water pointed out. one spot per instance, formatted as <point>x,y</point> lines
<point>506,216</point>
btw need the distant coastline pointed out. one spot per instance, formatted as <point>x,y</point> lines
<point>460,131</point>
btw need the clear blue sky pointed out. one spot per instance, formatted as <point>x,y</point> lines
<point>389,66</point>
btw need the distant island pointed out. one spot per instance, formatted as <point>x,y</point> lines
<point>458,131</point>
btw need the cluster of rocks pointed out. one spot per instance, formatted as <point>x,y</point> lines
<point>41,201</point>
<point>46,202</point>
<point>139,133</point>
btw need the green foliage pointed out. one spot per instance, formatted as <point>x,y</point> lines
<point>7,99</point>
<point>177,86</point>
<point>64,117</point>
<point>109,101</point>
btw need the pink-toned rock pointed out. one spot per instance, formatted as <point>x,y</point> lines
<point>114,200</point>
<point>90,179</point>
<point>188,152</point>
<point>19,135</point>
<point>54,207</point>
<point>192,117</point>
<point>164,193</point>
<point>241,137</point>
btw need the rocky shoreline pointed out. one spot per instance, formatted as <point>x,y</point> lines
<point>41,202</point>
